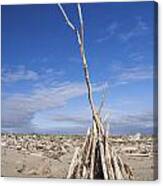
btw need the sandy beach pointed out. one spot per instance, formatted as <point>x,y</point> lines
<point>50,156</point>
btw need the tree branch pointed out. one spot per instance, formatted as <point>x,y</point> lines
<point>81,23</point>
<point>69,23</point>
<point>80,38</point>
<point>103,99</point>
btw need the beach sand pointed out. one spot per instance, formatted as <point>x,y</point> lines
<point>50,155</point>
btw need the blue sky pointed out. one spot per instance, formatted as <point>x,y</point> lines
<point>43,89</point>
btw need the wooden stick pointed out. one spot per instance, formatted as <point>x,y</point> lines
<point>118,173</point>
<point>92,157</point>
<point>69,23</point>
<point>103,162</point>
<point>121,165</point>
<point>89,150</point>
<point>87,139</point>
<point>74,163</point>
<point>108,159</point>
<point>84,173</point>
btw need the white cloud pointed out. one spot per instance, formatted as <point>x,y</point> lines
<point>20,108</point>
<point>77,119</point>
<point>110,31</point>
<point>136,73</point>
<point>39,79</point>
<point>116,120</point>
<point>75,59</point>
<point>143,119</point>
<point>140,27</point>
<point>136,57</point>
<point>115,29</point>
<point>20,74</point>
<point>124,75</point>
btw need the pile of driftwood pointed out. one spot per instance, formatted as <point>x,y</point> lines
<point>96,159</point>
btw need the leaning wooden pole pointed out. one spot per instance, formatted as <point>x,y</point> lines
<point>96,159</point>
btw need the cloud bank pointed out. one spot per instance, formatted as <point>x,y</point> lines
<point>19,109</point>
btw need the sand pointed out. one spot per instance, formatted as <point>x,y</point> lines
<point>50,156</point>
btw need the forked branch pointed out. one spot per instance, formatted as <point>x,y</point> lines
<point>80,39</point>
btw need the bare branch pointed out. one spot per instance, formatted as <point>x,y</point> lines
<point>103,98</point>
<point>80,14</point>
<point>102,102</point>
<point>82,53</point>
<point>69,23</point>
<point>106,117</point>
<point>78,37</point>
<point>81,22</point>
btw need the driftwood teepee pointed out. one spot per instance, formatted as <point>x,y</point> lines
<point>96,159</point>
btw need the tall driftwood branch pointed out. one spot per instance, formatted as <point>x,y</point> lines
<point>96,159</point>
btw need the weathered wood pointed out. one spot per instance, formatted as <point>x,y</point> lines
<point>87,139</point>
<point>73,164</point>
<point>138,155</point>
<point>108,159</point>
<point>117,171</point>
<point>123,170</point>
<point>103,162</point>
<point>88,153</point>
<point>92,156</point>
<point>84,173</point>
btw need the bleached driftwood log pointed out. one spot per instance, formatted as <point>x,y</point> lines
<point>96,159</point>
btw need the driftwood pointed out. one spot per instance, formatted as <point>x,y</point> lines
<point>96,159</point>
